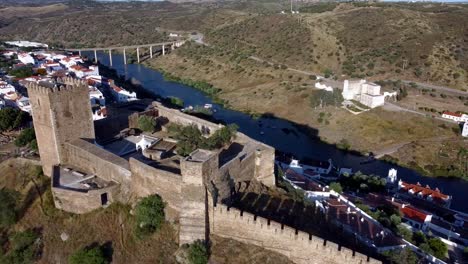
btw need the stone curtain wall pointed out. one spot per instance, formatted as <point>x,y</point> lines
<point>178,117</point>
<point>147,180</point>
<point>95,160</point>
<point>299,246</point>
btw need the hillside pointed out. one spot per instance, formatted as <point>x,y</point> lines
<point>375,42</point>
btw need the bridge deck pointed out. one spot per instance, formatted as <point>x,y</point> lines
<point>126,47</point>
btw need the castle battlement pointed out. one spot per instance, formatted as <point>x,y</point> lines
<point>67,84</point>
<point>300,246</point>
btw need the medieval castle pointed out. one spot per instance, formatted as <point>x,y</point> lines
<point>89,172</point>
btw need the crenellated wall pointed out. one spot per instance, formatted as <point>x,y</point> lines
<point>299,246</point>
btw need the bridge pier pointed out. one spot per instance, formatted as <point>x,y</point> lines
<point>79,53</point>
<point>125,57</point>
<point>110,57</point>
<point>164,50</point>
<point>138,54</point>
<point>95,56</point>
<point>151,52</point>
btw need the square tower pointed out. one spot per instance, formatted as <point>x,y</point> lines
<point>61,112</point>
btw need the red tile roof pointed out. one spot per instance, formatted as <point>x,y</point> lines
<point>452,114</point>
<point>414,214</point>
<point>425,191</point>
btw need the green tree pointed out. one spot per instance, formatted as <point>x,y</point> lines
<point>88,255</point>
<point>221,137</point>
<point>419,238</point>
<point>11,119</point>
<point>336,186</point>
<point>176,101</point>
<point>149,214</point>
<point>22,72</point>
<point>24,248</point>
<point>189,138</point>
<point>404,256</point>
<point>8,203</point>
<point>146,123</point>
<point>198,253</point>
<point>438,247</point>
<point>405,233</point>
<point>25,137</point>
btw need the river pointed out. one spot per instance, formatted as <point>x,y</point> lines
<point>282,134</point>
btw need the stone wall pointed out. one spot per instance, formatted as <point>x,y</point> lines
<point>239,168</point>
<point>193,222</point>
<point>81,202</point>
<point>147,180</point>
<point>95,160</point>
<point>265,165</point>
<point>175,116</point>
<point>299,246</point>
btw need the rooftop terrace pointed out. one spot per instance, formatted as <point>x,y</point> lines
<point>71,178</point>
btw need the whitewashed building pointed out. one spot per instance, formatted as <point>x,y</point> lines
<point>465,130</point>
<point>366,93</point>
<point>145,142</point>
<point>70,61</point>
<point>122,95</point>
<point>457,117</point>
<point>6,88</point>
<point>96,97</point>
<point>25,58</point>
<point>323,86</point>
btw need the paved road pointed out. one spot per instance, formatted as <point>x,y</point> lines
<point>437,87</point>
<point>393,107</point>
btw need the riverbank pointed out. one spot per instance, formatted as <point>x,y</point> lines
<point>288,96</point>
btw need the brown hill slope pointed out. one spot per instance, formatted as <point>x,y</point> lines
<point>375,42</point>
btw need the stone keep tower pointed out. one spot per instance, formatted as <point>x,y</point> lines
<point>61,112</point>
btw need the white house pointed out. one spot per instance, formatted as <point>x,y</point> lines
<point>465,129</point>
<point>100,113</point>
<point>457,117</point>
<point>96,97</point>
<point>322,86</point>
<point>51,66</point>
<point>145,142</point>
<point>122,95</point>
<point>81,72</point>
<point>23,104</point>
<point>70,61</point>
<point>25,58</point>
<point>392,176</point>
<point>6,88</point>
<point>173,35</point>
<point>366,93</point>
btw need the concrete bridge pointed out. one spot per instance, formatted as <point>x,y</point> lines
<point>163,45</point>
